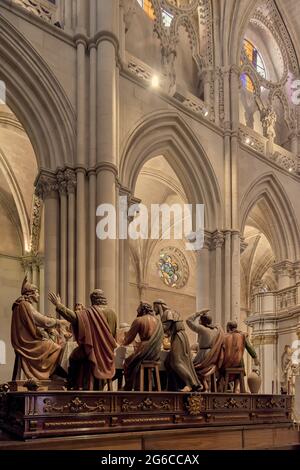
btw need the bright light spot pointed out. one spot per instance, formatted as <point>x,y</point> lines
<point>155,81</point>
<point>290,170</point>
<point>247,141</point>
<point>205,112</point>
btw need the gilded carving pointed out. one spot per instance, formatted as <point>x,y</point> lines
<point>146,405</point>
<point>231,403</point>
<point>270,402</point>
<point>74,406</point>
<point>195,404</point>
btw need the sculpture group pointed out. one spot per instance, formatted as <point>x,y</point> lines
<point>86,339</point>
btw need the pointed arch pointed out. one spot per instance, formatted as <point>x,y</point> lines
<point>37,98</point>
<point>18,200</point>
<point>285,236</point>
<point>279,93</point>
<point>166,133</point>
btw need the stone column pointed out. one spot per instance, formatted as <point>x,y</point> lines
<point>62,187</point>
<point>106,273</point>
<point>123,264</point>
<point>227,276</point>
<point>42,285</point>
<point>107,136</point>
<point>47,189</point>
<point>203,275</point>
<point>218,242</point>
<point>80,276</point>
<point>206,76</point>
<point>93,158</point>
<point>227,148</point>
<point>80,295</point>
<point>234,93</point>
<point>235,276</point>
<point>71,186</point>
<point>217,95</point>
<point>68,14</point>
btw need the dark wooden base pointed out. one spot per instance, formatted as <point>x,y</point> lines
<point>263,437</point>
<point>44,414</point>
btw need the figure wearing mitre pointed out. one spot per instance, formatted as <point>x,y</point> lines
<point>32,336</point>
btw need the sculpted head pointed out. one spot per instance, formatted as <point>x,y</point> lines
<point>30,291</point>
<point>78,307</point>
<point>159,306</point>
<point>231,326</point>
<point>205,319</point>
<point>144,309</point>
<point>98,297</point>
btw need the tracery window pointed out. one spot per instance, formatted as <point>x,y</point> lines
<point>256,60</point>
<point>147,7</point>
<point>173,267</point>
<point>168,270</point>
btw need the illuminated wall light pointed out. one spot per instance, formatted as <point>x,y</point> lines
<point>205,111</point>
<point>290,169</point>
<point>247,141</point>
<point>155,81</point>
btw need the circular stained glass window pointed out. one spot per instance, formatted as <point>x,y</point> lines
<point>173,268</point>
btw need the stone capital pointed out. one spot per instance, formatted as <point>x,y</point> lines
<point>284,268</point>
<point>217,240</point>
<point>46,185</point>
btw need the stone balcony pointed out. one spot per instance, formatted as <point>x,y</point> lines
<point>276,303</point>
<point>251,139</point>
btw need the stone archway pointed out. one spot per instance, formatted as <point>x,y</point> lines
<point>167,134</point>
<point>38,100</point>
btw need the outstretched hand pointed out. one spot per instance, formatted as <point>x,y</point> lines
<point>54,298</point>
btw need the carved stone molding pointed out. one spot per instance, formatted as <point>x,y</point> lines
<point>36,223</point>
<point>264,339</point>
<point>129,10</point>
<point>218,240</point>
<point>46,185</point>
<point>41,8</point>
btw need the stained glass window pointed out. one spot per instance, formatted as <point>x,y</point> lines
<point>256,60</point>
<point>247,83</point>
<point>168,270</point>
<point>147,7</point>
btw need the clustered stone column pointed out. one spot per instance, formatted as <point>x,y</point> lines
<point>107,136</point>
<point>218,275</point>
<point>57,192</point>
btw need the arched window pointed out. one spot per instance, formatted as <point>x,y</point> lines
<point>247,83</point>
<point>254,57</point>
<point>147,7</point>
<point>256,60</point>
